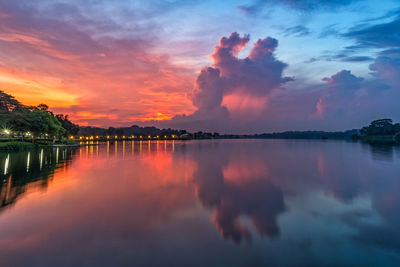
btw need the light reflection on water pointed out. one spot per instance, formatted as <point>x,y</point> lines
<point>202,203</point>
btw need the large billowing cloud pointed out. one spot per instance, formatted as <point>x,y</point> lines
<point>247,94</point>
<point>350,99</point>
<point>340,96</point>
<point>241,81</point>
<point>255,75</point>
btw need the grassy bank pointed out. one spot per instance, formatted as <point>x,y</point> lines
<point>16,146</point>
<point>23,145</point>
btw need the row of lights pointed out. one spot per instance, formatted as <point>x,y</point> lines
<point>123,137</point>
<point>7,132</point>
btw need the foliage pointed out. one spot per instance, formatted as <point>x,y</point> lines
<point>8,103</point>
<point>16,146</point>
<point>128,131</point>
<point>36,120</point>
<point>381,127</point>
<point>71,129</point>
<point>397,137</point>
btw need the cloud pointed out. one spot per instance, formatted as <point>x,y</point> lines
<point>251,94</point>
<point>297,31</point>
<point>329,30</point>
<point>303,5</point>
<point>340,94</point>
<point>350,99</point>
<point>343,77</point>
<point>235,190</point>
<point>344,56</point>
<point>255,76</point>
<point>381,35</point>
<point>387,69</point>
<point>357,58</point>
<point>208,89</point>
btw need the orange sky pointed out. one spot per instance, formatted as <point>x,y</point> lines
<point>114,87</point>
<point>100,81</point>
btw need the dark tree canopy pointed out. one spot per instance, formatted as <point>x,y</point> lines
<point>381,127</point>
<point>8,103</point>
<point>71,128</point>
<point>36,120</point>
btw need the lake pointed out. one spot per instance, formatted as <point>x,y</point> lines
<point>202,203</point>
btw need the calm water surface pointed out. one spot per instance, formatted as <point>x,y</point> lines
<point>202,203</point>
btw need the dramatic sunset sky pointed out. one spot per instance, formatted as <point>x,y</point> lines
<point>229,66</point>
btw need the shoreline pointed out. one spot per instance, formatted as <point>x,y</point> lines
<point>23,145</point>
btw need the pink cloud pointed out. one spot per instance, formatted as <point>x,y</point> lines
<point>242,84</point>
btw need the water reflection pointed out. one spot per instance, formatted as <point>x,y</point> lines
<point>382,152</point>
<point>31,169</point>
<point>236,188</point>
<point>151,203</point>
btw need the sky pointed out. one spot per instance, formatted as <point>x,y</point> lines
<point>228,66</point>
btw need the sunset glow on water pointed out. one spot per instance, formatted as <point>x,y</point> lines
<point>196,203</point>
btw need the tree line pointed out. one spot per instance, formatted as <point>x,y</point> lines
<point>129,131</point>
<point>35,121</point>
<point>381,127</point>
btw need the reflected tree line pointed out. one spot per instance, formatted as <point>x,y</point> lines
<point>21,170</point>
